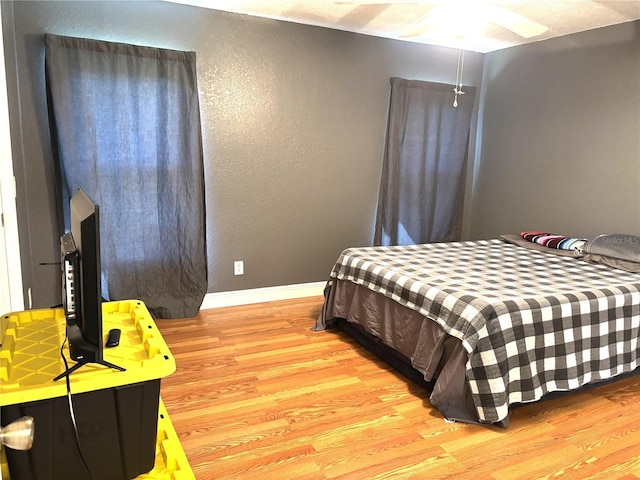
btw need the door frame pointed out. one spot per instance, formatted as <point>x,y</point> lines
<point>10,265</point>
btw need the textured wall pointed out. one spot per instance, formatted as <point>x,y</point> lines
<point>293,117</point>
<point>561,136</point>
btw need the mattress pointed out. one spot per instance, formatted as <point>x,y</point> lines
<point>528,323</point>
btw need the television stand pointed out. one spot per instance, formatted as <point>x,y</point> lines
<point>69,371</point>
<point>83,352</point>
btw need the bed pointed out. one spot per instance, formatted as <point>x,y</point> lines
<point>488,324</point>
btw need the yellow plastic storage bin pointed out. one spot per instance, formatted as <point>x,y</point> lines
<point>116,412</point>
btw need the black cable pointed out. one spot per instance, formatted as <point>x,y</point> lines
<point>71,411</point>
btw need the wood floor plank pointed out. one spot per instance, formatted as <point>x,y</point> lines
<point>258,395</point>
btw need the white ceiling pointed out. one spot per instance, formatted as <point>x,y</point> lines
<point>463,26</point>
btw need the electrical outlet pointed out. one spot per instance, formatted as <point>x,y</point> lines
<point>238,267</point>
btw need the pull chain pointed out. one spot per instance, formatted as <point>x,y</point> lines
<point>459,70</point>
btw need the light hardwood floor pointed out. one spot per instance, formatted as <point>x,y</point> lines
<point>257,395</point>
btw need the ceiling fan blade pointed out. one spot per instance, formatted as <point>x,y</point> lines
<point>371,2</point>
<point>516,23</point>
<point>377,2</point>
<point>459,16</point>
<point>449,20</point>
<point>416,30</point>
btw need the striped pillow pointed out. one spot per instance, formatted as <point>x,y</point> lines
<point>553,240</point>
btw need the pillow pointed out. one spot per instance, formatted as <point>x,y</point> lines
<point>519,240</point>
<point>615,250</point>
<point>553,240</point>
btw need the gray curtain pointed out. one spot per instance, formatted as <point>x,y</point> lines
<point>125,127</point>
<point>423,177</point>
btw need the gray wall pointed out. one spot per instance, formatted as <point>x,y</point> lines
<point>560,131</point>
<point>294,122</point>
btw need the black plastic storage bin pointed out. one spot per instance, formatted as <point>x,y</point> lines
<point>117,430</point>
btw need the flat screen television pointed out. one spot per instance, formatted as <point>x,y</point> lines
<point>82,285</point>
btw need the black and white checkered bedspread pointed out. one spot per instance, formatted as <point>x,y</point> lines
<point>531,322</point>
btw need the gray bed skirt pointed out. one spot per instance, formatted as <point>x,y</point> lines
<point>438,357</point>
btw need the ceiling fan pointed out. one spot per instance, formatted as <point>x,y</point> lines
<point>462,18</point>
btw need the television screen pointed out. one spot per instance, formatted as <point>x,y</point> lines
<point>81,284</point>
<point>85,229</point>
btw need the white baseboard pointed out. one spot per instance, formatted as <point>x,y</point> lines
<point>259,295</point>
